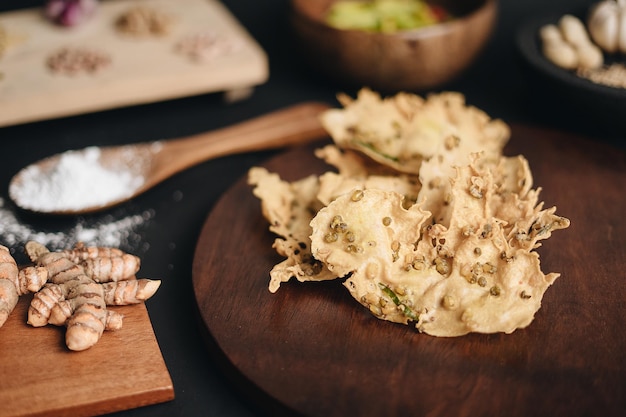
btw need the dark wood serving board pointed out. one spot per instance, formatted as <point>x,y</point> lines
<point>312,350</point>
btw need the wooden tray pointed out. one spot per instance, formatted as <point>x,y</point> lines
<point>142,69</point>
<point>315,351</point>
<point>40,376</point>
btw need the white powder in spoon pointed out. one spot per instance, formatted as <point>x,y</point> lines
<point>78,181</point>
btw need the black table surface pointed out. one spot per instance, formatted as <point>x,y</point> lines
<point>498,83</point>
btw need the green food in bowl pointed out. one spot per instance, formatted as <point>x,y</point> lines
<point>384,15</point>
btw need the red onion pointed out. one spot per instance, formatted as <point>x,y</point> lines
<point>70,12</point>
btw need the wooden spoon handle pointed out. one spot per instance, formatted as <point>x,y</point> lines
<point>293,125</point>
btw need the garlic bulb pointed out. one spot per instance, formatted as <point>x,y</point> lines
<point>607,25</point>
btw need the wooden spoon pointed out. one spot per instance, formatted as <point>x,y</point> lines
<point>52,186</point>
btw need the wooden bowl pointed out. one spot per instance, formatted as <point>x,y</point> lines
<point>411,60</point>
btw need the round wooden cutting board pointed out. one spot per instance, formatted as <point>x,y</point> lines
<point>312,350</point>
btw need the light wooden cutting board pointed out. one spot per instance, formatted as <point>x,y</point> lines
<point>141,69</point>
<point>40,376</point>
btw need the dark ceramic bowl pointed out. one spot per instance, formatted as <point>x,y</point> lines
<point>601,104</point>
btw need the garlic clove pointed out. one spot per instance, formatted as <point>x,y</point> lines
<point>555,49</point>
<point>603,24</point>
<point>573,30</point>
<point>550,33</point>
<point>561,55</point>
<point>589,57</point>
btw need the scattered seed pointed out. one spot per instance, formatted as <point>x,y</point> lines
<point>206,47</point>
<point>613,75</point>
<point>475,192</point>
<point>449,302</point>
<point>418,265</point>
<point>143,21</point>
<point>489,268</point>
<point>442,266</point>
<point>357,195</point>
<point>452,142</point>
<point>354,249</point>
<point>330,237</point>
<point>375,310</point>
<point>73,61</point>
<point>371,271</point>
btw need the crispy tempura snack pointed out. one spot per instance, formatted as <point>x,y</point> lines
<point>289,207</point>
<point>350,163</point>
<point>403,130</point>
<point>421,215</point>
<point>333,185</point>
<point>448,281</point>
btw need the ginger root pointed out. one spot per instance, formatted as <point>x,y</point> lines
<point>88,319</point>
<point>73,288</point>
<point>15,282</point>
<point>8,291</point>
<point>129,292</point>
<point>80,252</point>
<point>51,306</point>
<point>104,264</point>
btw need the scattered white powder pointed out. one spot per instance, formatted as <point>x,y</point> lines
<point>177,196</point>
<point>78,181</point>
<point>114,232</point>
